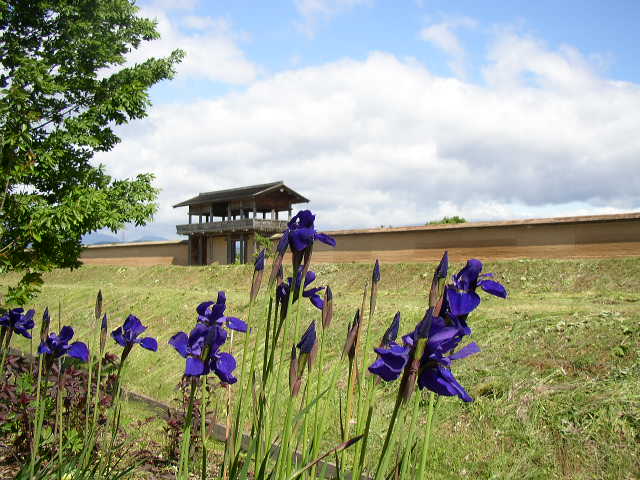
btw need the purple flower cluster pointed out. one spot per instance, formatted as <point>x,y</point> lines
<point>301,233</point>
<point>283,290</point>
<point>55,346</point>
<point>210,313</point>
<point>127,335</point>
<point>19,322</point>
<point>201,347</point>
<point>443,333</point>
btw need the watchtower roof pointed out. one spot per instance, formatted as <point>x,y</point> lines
<point>245,193</point>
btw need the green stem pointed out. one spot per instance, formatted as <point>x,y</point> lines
<point>59,418</point>
<point>38,421</point>
<point>407,445</point>
<point>316,439</point>
<point>258,414</point>
<point>284,457</point>
<point>183,469</point>
<point>361,449</point>
<point>203,427</point>
<point>267,333</point>
<point>357,474</point>
<point>115,419</point>
<point>3,332</point>
<point>5,352</point>
<point>427,435</point>
<point>384,456</point>
<point>369,386</point>
<point>284,349</point>
<point>93,432</point>
<point>350,387</point>
<point>87,403</point>
<point>245,383</point>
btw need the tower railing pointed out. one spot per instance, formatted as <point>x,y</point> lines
<point>228,226</point>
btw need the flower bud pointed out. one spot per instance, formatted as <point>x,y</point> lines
<point>327,308</point>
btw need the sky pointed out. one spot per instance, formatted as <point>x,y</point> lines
<point>394,112</point>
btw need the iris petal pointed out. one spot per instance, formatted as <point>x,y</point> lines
<point>326,239</point>
<point>149,343</point>
<point>236,324</point>
<point>462,303</point>
<point>396,357</point>
<point>467,278</point>
<point>66,334</point>
<point>494,288</point>
<point>441,381</point>
<point>225,364</point>
<point>316,300</point>
<point>133,327</point>
<point>217,311</point>
<point>301,238</point>
<point>309,277</point>
<point>202,308</point>
<point>21,330</point>
<point>384,371</point>
<point>465,351</point>
<point>216,336</point>
<point>179,342</point>
<point>194,367</point>
<point>79,350</point>
<point>119,337</point>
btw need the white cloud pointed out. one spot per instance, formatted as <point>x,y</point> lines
<point>442,35</point>
<point>518,61</point>
<point>384,141</point>
<point>314,12</point>
<point>211,47</point>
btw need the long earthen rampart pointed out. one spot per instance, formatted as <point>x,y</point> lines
<point>599,236</point>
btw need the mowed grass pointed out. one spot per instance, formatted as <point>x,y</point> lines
<point>557,384</point>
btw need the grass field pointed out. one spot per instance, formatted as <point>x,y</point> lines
<point>557,384</point>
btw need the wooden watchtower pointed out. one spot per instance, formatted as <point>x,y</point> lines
<point>228,221</point>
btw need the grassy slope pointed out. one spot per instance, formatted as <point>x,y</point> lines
<point>557,384</point>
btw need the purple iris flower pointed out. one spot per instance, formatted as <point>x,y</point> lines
<point>210,313</point>
<point>462,297</point>
<point>436,375</point>
<point>393,358</point>
<point>444,334</point>
<point>301,232</point>
<point>18,322</point>
<point>201,348</point>
<point>55,346</point>
<point>127,335</point>
<point>282,290</point>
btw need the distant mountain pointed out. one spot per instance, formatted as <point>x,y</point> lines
<point>150,238</point>
<point>97,238</point>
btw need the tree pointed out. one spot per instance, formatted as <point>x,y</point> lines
<point>447,220</point>
<point>63,87</point>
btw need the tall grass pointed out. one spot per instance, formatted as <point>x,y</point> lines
<point>291,430</point>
